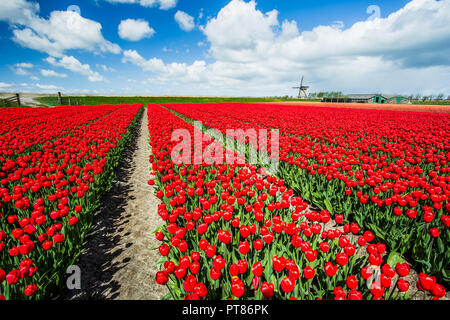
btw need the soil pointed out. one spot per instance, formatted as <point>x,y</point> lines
<point>117,261</point>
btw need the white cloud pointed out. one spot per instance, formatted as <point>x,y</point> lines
<point>254,54</point>
<point>83,91</point>
<point>105,68</point>
<point>34,78</point>
<point>52,73</point>
<point>25,65</point>
<point>20,71</point>
<point>163,4</point>
<point>62,31</point>
<point>185,21</point>
<point>240,28</point>
<point>30,87</point>
<point>5,85</point>
<point>165,72</point>
<point>153,65</point>
<point>48,86</point>
<point>18,11</point>
<point>135,30</point>
<point>74,65</point>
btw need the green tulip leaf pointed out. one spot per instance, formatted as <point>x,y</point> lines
<point>394,258</point>
<point>161,261</point>
<point>440,245</point>
<point>160,228</point>
<point>167,296</point>
<point>328,206</point>
<point>426,263</point>
<point>378,232</point>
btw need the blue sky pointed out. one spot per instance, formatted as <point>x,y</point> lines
<point>224,48</point>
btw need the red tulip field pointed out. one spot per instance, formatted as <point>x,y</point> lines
<point>359,201</point>
<point>356,209</point>
<point>55,164</point>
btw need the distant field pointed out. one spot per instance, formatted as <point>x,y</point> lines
<point>96,100</point>
<point>438,102</point>
<point>445,108</point>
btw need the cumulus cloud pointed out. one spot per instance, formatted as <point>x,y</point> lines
<point>74,65</point>
<point>52,73</point>
<point>48,86</point>
<point>162,4</point>
<point>185,21</point>
<point>62,31</point>
<point>135,30</point>
<point>239,27</point>
<point>254,54</point>
<point>20,71</point>
<point>188,73</point>
<point>18,11</point>
<point>30,87</point>
<point>25,65</point>
<point>5,85</point>
<point>105,68</point>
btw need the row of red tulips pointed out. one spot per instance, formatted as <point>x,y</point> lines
<point>231,232</point>
<point>51,184</point>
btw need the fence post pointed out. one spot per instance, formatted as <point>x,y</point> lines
<point>18,99</point>
<point>59,98</point>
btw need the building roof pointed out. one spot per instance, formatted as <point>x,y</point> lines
<point>390,96</point>
<point>371,95</point>
<point>362,96</point>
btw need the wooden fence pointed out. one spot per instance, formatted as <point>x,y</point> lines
<point>63,101</point>
<point>13,101</point>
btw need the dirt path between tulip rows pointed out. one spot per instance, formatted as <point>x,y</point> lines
<point>117,262</point>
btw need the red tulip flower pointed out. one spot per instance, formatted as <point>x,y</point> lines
<point>352,282</point>
<point>287,284</point>
<point>237,287</point>
<point>309,272</point>
<point>403,285</point>
<point>267,289</point>
<point>330,269</point>
<point>257,269</point>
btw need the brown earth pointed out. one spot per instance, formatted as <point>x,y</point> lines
<point>117,262</point>
<point>395,107</point>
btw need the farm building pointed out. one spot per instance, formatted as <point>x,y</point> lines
<point>397,99</point>
<point>369,98</point>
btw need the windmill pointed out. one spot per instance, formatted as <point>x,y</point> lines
<point>302,90</point>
